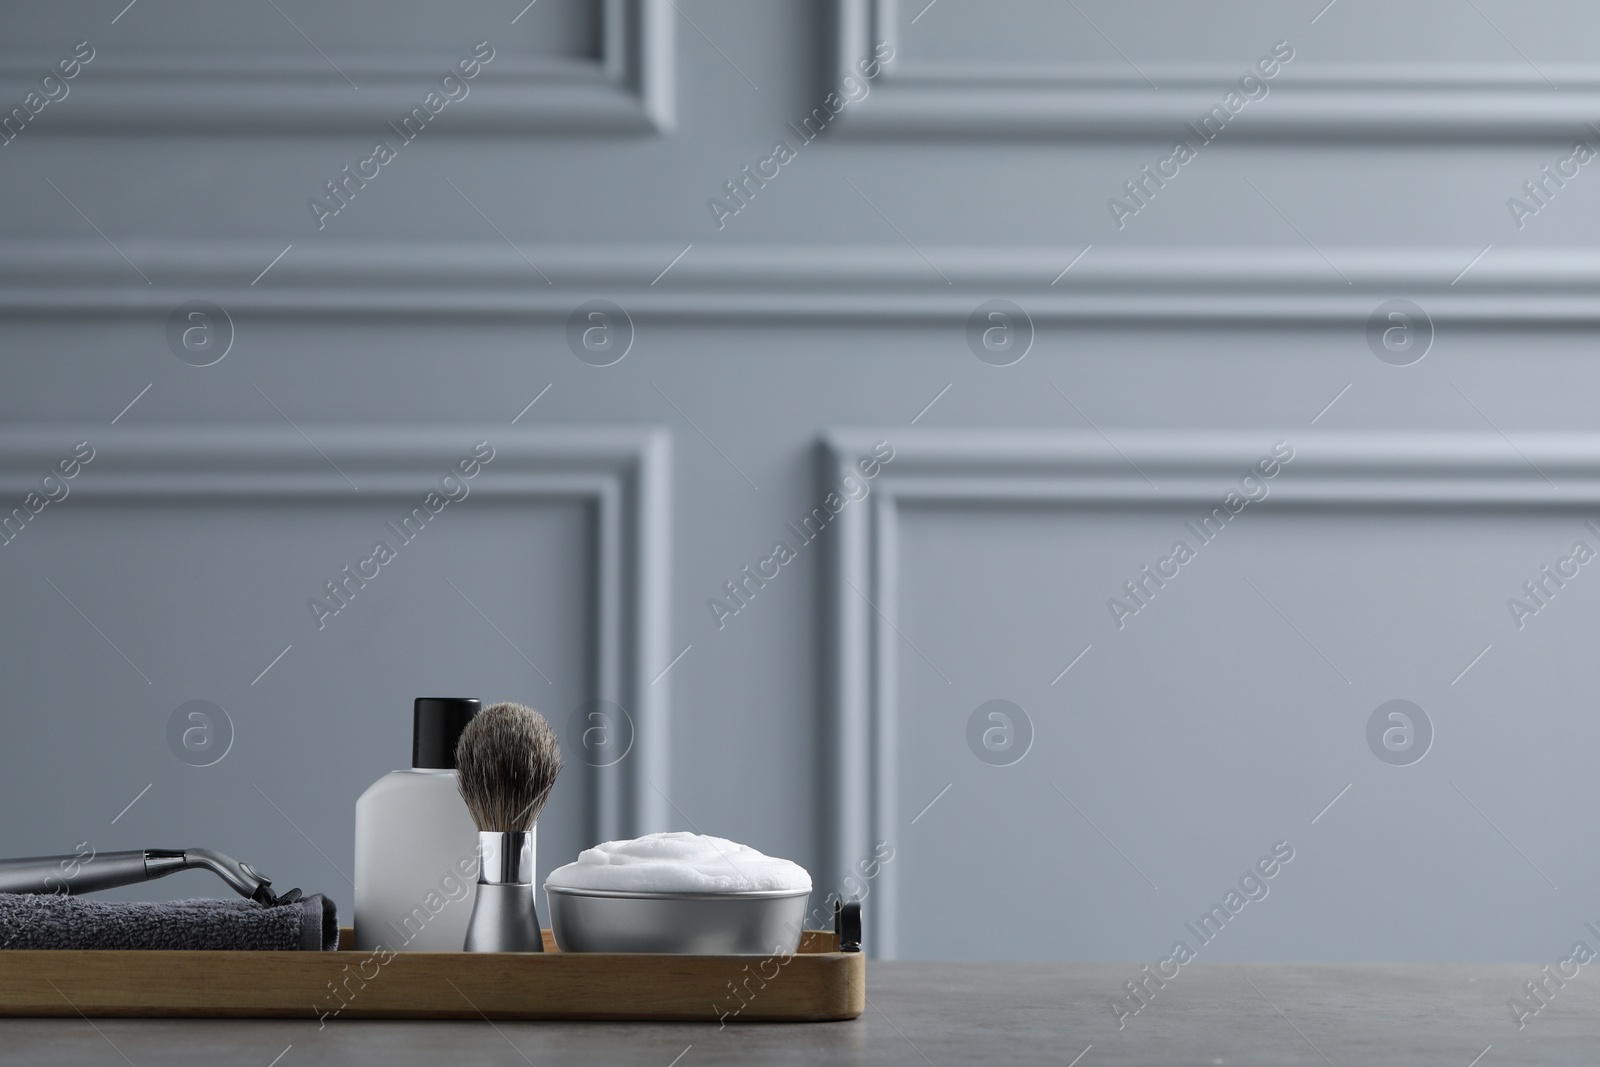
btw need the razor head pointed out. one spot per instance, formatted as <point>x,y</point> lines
<point>264,896</point>
<point>241,876</point>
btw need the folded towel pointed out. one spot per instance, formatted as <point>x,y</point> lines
<point>51,920</point>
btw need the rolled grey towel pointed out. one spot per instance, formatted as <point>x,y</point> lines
<point>51,920</point>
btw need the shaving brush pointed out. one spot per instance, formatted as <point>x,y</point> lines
<point>507,761</point>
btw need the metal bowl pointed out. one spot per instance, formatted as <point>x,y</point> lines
<point>717,924</point>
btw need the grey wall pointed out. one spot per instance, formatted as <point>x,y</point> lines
<point>831,714</point>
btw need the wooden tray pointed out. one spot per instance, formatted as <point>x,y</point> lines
<point>818,983</point>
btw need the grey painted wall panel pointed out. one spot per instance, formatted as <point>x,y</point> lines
<point>1233,302</point>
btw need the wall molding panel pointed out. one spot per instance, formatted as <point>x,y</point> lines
<point>1151,286</point>
<point>622,472</point>
<point>857,779</point>
<point>1465,102</point>
<point>630,89</point>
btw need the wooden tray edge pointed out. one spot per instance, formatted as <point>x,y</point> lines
<point>813,985</point>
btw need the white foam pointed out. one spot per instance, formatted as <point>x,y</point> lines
<point>679,863</point>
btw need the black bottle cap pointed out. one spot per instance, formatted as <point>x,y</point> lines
<point>436,726</point>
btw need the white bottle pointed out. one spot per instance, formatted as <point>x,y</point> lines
<point>416,845</point>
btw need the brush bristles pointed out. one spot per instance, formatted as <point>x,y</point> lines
<point>508,759</point>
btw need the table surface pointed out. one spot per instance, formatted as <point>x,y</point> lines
<point>946,1013</point>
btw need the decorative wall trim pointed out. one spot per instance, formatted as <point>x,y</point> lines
<point>1474,102</point>
<point>858,777</point>
<point>623,472</point>
<point>1139,286</point>
<point>629,90</point>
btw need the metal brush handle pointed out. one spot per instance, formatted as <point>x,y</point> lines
<point>503,915</point>
<point>504,920</point>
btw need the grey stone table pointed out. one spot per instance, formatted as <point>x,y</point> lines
<point>947,1013</point>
